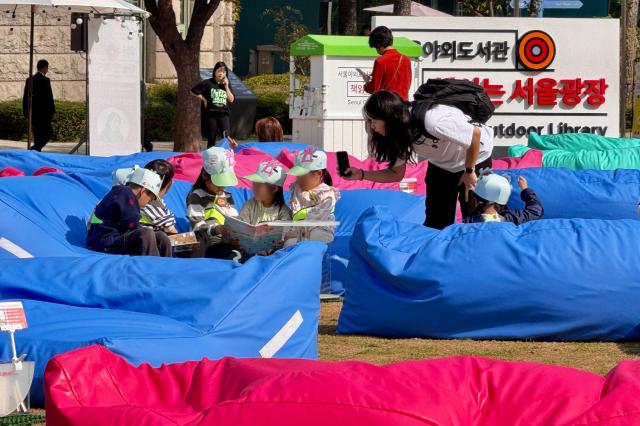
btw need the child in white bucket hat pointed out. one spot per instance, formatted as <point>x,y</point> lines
<point>208,203</point>
<point>115,227</point>
<point>267,204</point>
<point>313,196</point>
<point>491,195</point>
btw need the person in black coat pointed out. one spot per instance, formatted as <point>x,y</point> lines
<point>43,109</point>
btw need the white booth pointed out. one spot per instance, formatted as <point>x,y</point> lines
<point>327,111</point>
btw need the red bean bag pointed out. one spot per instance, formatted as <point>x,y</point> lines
<point>45,170</point>
<point>94,386</point>
<point>11,172</point>
<point>532,158</point>
<point>187,166</point>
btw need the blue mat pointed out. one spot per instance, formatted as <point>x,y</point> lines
<point>165,310</point>
<point>566,280</point>
<point>581,194</point>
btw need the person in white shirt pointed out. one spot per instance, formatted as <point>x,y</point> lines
<point>457,151</point>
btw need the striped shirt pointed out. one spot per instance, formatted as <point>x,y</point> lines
<point>206,211</point>
<point>156,215</point>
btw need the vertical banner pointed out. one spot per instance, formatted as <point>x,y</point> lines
<point>114,87</point>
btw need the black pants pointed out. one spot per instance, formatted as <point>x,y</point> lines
<point>215,124</point>
<point>42,134</point>
<point>141,242</point>
<point>443,190</point>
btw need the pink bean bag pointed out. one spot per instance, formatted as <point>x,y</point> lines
<point>45,170</point>
<point>186,166</point>
<point>11,172</point>
<point>531,159</point>
<point>96,387</point>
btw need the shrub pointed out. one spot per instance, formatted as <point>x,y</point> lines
<point>272,91</point>
<point>71,122</point>
<point>164,92</point>
<point>69,125</point>
<point>13,125</point>
<point>274,105</point>
<point>158,121</point>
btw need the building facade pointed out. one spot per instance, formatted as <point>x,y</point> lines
<point>67,69</point>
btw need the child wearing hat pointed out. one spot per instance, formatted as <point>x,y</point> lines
<point>156,214</point>
<point>208,203</point>
<point>121,176</point>
<point>267,204</point>
<point>490,197</point>
<point>115,227</point>
<point>313,197</point>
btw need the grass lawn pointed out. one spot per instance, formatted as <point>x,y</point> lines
<point>596,357</point>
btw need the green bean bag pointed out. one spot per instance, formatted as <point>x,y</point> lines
<point>579,142</point>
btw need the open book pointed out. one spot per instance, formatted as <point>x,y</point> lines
<point>183,242</point>
<point>254,239</point>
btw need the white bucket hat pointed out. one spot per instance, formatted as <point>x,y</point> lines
<point>147,179</point>
<point>309,160</point>
<point>271,172</point>
<point>219,163</point>
<point>493,188</point>
<point>121,176</point>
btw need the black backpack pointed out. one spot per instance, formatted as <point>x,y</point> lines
<point>465,95</point>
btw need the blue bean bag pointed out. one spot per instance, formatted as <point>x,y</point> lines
<point>576,194</point>
<point>30,161</point>
<point>166,310</point>
<point>564,280</point>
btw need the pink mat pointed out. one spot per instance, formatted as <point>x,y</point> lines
<point>93,386</point>
<point>11,172</point>
<point>188,166</point>
<point>45,170</point>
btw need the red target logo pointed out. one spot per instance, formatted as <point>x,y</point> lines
<point>536,50</point>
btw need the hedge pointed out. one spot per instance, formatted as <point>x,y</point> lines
<point>70,123</point>
<point>272,91</point>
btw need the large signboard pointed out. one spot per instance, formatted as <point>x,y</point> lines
<point>114,87</point>
<point>545,75</point>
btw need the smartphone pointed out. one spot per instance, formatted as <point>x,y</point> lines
<point>343,163</point>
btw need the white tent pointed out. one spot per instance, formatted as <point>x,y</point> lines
<point>417,9</point>
<point>97,7</point>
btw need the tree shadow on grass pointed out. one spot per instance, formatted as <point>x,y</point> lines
<point>327,329</point>
<point>631,347</point>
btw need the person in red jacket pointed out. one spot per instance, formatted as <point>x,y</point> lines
<point>392,69</point>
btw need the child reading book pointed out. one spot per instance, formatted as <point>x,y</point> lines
<point>267,204</point>
<point>115,224</point>
<point>155,214</point>
<point>312,197</point>
<point>208,203</point>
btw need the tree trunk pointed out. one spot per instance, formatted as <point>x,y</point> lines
<point>402,7</point>
<point>631,44</point>
<point>185,56</point>
<point>348,22</point>
<point>188,133</point>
